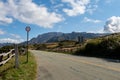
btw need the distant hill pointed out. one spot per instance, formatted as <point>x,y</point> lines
<point>44,38</point>
<point>58,36</point>
<point>5,44</point>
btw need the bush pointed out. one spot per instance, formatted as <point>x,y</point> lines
<point>5,49</point>
<point>107,47</point>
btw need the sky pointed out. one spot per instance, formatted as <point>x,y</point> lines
<point>94,16</point>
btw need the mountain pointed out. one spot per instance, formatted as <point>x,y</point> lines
<point>44,38</point>
<point>5,44</point>
<point>58,36</point>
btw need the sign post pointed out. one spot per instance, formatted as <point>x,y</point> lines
<point>27,29</point>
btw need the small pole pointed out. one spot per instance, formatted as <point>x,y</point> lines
<point>16,56</point>
<point>27,29</point>
<point>1,57</point>
<point>27,44</point>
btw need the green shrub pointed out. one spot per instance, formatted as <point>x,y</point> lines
<point>108,47</point>
<point>5,49</point>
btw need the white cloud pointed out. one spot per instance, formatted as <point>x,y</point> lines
<point>96,31</point>
<point>77,7</point>
<point>58,5</point>
<point>112,25</point>
<point>15,36</point>
<point>9,40</point>
<point>3,13</point>
<point>27,11</point>
<point>91,20</point>
<point>2,32</point>
<point>92,8</point>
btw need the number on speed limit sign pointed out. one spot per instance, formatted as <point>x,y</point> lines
<point>27,28</point>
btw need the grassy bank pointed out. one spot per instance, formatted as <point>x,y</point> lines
<point>103,47</point>
<point>26,71</point>
<point>67,47</point>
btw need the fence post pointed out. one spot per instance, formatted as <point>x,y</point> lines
<point>8,56</point>
<point>16,56</point>
<point>1,58</point>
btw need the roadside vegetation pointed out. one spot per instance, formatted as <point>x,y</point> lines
<point>26,71</point>
<point>65,46</point>
<point>105,47</point>
<point>5,49</point>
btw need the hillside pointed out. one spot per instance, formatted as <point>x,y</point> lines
<point>5,44</point>
<point>58,36</point>
<point>107,47</point>
<point>104,46</point>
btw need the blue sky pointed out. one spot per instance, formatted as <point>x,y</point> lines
<point>66,16</point>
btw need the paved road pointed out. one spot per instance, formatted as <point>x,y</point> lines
<point>56,66</point>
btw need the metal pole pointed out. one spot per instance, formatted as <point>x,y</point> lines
<point>27,29</point>
<point>27,44</point>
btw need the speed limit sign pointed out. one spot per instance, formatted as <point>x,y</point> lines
<point>27,28</point>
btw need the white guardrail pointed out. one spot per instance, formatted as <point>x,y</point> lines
<point>5,57</point>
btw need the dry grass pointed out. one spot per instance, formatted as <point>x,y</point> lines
<point>26,71</point>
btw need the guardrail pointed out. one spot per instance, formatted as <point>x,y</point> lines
<point>5,57</point>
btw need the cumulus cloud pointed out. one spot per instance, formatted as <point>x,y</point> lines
<point>77,7</point>
<point>15,36</point>
<point>27,11</point>
<point>3,13</point>
<point>91,20</point>
<point>112,25</point>
<point>2,32</point>
<point>92,8</point>
<point>9,40</point>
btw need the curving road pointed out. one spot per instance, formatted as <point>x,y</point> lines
<point>56,66</point>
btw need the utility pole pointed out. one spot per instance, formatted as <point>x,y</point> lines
<point>80,39</point>
<point>27,29</point>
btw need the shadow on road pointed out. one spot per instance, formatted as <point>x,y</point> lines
<point>113,60</point>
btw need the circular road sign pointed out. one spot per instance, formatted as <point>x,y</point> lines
<point>27,28</point>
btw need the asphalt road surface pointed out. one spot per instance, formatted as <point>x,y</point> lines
<point>56,66</point>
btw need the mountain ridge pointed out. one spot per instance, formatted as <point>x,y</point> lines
<point>59,36</point>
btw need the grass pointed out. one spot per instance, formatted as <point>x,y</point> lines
<point>26,71</point>
<point>104,47</point>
